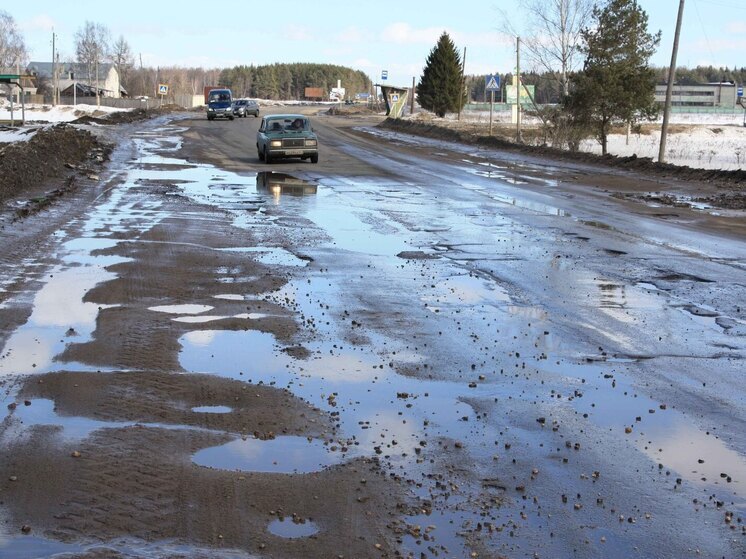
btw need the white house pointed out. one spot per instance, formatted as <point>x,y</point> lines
<point>76,76</point>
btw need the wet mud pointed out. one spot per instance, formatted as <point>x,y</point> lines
<point>428,353</point>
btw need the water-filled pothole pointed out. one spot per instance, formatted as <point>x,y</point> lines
<point>182,309</point>
<point>280,183</point>
<point>290,528</point>
<point>283,455</point>
<point>212,409</point>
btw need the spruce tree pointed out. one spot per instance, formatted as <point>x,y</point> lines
<point>440,84</point>
<point>616,85</point>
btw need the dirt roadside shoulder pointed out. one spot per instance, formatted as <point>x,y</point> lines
<point>721,189</point>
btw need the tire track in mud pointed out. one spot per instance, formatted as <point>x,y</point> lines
<point>137,481</point>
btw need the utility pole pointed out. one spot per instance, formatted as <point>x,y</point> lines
<point>461,85</point>
<point>519,135</point>
<point>411,101</point>
<point>54,71</point>
<point>669,87</point>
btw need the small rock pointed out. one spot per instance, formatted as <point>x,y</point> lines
<point>25,528</point>
<point>75,454</point>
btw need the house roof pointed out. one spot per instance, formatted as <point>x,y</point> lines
<point>80,71</point>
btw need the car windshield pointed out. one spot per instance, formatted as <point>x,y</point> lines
<point>296,124</point>
<point>217,97</point>
<point>241,103</point>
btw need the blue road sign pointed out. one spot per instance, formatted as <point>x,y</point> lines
<point>740,91</point>
<point>492,83</point>
<point>384,74</point>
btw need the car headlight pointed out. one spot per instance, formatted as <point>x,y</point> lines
<point>275,143</point>
<point>311,143</point>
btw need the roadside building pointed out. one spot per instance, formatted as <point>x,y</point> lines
<point>72,76</point>
<point>721,95</point>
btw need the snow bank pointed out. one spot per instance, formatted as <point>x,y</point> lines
<point>10,135</point>
<point>60,113</point>
<point>702,147</point>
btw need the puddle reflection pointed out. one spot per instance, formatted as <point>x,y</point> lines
<point>278,184</point>
<point>290,529</point>
<point>282,455</point>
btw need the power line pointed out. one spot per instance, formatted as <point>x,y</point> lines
<point>723,4</point>
<point>704,31</point>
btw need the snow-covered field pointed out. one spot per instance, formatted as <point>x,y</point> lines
<point>48,113</point>
<point>701,146</point>
<point>709,141</point>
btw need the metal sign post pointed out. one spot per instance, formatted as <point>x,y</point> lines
<point>492,84</point>
<point>162,91</point>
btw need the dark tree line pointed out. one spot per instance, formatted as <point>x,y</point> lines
<point>289,81</point>
<point>703,75</point>
<point>548,89</point>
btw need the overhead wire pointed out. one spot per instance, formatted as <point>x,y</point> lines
<point>704,31</point>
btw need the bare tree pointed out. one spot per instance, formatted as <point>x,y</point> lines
<point>552,33</point>
<point>123,59</point>
<point>92,49</point>
<point>13,51</point>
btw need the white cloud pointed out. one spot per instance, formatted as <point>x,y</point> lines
<point>736,27</point>
<point>721,45</point>
<point>41,22</point>
<point>403,33</point>
<point>353,35</point>
<point>297,33</point>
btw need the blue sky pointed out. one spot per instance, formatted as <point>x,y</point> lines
<point>362,35</point>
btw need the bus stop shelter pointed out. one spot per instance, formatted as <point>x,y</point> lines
<point>15,80</point>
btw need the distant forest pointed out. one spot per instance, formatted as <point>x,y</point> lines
<point>273,81</point>
<point>547,84</point>
<point>289,81</point>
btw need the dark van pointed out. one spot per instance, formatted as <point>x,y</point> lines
<point>220,104</point>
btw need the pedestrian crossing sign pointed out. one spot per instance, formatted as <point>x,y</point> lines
<point>492,83</point>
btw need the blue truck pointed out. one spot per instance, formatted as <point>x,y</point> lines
<point>220,104</point>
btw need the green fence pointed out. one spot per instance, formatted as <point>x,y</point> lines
<point>498,107</point>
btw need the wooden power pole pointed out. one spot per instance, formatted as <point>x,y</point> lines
<point>518,133</point>
<point>461,88</point>
<point>669,87</point>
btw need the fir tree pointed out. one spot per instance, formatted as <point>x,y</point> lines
<point>440,84</point>
<point>617,84</point>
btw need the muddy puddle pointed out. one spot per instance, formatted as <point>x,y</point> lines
<point>280,455</point>
<point>512,414</point>
<point>289,528</point>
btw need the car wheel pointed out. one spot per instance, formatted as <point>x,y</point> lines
<point>230,117</point>
<point>315,158</point>
<point>267,157</point>
<point>260,154</point>
<point>210,118</point>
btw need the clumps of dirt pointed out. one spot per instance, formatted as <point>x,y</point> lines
<point>350,110</point>
<point>730,201</point>
<point>50,154</point>
<point>119,117</point>
<point>732,181</point>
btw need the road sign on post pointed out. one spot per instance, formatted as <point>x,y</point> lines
<point>162,90</point>
<point>740,91</point>
<point>384,74</point>
<point>492,84</point>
